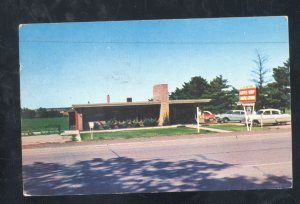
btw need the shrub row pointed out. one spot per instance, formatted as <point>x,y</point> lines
<point>115,124</point>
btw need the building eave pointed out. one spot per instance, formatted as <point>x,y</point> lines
<point>189,101</point>
<point>141,103</point>
<point>116,104</point>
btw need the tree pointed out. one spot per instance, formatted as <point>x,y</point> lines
<point>281,74</point>
<point>44,113</point>
<point>278,92</point>
<point>52,114</point>
<point>260,71</point>
<point>193,89</point>
<point>260,74</point>
<point>41,113</point>
<point>222,95</point>
<point>27,113</point>
<point>222,98</point>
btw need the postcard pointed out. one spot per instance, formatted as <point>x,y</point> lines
<point>152,106</point>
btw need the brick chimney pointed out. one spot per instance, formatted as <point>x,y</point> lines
<point>160,93</point>
<point>107,99</point>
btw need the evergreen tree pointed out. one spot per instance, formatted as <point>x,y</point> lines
<point>194,89</point>
<point>278,92</point>
<point>221,97</point>
<point>217,90</point>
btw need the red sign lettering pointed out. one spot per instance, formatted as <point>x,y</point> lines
<point>247,95</point>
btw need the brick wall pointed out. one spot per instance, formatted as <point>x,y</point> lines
<point>160,93</point>
<point>78,120</point>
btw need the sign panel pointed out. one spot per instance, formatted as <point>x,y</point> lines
<point>248,94</point>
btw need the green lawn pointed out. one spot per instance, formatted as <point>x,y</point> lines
<point>234,127</point>
<point>142,133</point>
<point>45,125</point>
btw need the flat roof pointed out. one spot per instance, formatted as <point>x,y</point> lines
<point>188,101</point>
<point>141,103</point>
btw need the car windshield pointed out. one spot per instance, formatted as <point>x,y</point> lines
<point>259,112</point>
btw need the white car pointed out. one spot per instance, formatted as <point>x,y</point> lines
<point>231,115</point>
<point>270,116</point>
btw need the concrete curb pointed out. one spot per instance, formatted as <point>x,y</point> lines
<point>209,129</point>
<point>75,133</point>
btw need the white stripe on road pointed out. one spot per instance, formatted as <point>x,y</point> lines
<point>266,164</point>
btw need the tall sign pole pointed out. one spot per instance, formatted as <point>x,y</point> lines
<point>247,96</point>
<point>198,120</point>
<point>91,125</point>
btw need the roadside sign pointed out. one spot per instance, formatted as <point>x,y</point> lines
<point>198,119</point>
<point>91,125</point>
<point>247,94</point>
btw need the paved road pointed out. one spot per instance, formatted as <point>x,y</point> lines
<point>215,162</point>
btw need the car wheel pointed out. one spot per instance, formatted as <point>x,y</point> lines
<point>255,123</point>
<point>225,120</point>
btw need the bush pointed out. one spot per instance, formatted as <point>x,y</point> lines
<point>149,122</point>
<point>123,124</point>
<point>106,126</point>
<point>113,124</point>
<point>109,124</point>
<point>135,123</point>
<point>128,123</point>
<point>96,126</point>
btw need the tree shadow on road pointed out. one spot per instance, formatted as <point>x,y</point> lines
<point>126,175</point>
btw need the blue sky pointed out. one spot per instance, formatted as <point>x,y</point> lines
<point>72,63</point>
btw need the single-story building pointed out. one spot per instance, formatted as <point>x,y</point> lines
<point>177,111</point>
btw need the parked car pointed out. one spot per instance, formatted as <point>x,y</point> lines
<point>269,116</point>
<point>208,116</point>
<point>231,115</point>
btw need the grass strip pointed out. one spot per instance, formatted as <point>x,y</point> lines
<point>143,133</point>
<point>234,128</point>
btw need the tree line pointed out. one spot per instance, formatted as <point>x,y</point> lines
<point>39,113</point>
<point>275,94</point>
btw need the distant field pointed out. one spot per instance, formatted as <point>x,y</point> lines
<point>44,125</point>
<point>143,133</point>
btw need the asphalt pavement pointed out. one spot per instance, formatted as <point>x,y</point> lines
<point>221,161</point>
